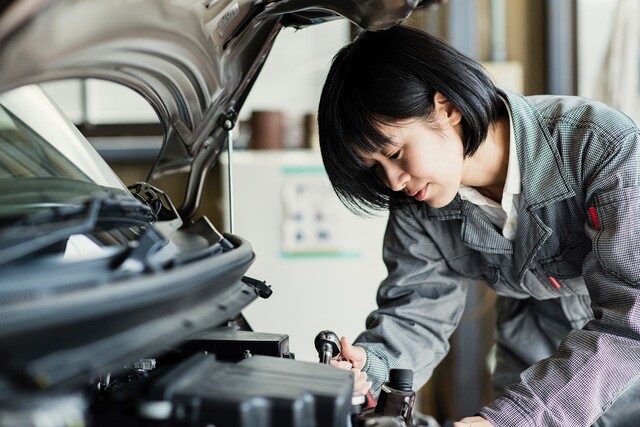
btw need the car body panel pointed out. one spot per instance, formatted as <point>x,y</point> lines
<point>193,60</point>
<point>93,274</point>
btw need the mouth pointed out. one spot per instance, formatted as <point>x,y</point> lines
<point>421,194</point>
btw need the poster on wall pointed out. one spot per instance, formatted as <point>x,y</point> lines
<point>313,222</point>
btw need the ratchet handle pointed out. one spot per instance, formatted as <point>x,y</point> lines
<point>328,346</point>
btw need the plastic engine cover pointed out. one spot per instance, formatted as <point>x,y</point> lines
<point>260,391</point>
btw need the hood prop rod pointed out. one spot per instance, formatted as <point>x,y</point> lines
<point>228,126</point>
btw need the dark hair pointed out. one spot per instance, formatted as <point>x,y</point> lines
<point>384,77</point>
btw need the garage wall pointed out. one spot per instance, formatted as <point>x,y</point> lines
<point>609,58</point>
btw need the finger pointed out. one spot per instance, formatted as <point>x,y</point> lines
<point>356,355</point>
<point>342,364</point>
<point>359,375</point>
<point>475,419</point>
<point>360,383</point>
<point>347,348</point>
<point>364,389</point>
<point>472,422</point>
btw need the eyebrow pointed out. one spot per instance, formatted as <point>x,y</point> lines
<point>366,162</point>
<point>364,159</point>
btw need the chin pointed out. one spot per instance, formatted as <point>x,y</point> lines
<point>435,205</point>
<point>440,202</point>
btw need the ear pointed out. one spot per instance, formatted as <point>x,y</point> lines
<point>445,110</point>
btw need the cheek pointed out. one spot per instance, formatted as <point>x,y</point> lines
<point>451,160</point>
<point>440,167</point>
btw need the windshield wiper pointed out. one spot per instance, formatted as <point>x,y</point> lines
<point>43,229</point>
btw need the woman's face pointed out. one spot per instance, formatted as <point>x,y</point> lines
<point>424,161</point>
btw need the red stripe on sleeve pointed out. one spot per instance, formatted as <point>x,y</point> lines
<point>594,217</point>
<point>554,282</point>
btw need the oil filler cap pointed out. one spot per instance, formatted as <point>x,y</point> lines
<point>401,379</point>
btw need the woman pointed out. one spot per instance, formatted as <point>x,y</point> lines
<point>539,197</point>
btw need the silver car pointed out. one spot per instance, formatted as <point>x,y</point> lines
<point>116,306</point>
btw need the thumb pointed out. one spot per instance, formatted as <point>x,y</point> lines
<point>355,354</point>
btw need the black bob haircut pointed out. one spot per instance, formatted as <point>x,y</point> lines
<point>385,77</point>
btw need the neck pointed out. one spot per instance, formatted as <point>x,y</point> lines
<point>486,170</point>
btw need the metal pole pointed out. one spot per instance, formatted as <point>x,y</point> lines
<point>229,126</point>
<point>561,42</point>
<point>498,31</point>
<point>463,27</point>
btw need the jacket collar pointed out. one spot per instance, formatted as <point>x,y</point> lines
<point>543,183</point>
<point>543,180</point>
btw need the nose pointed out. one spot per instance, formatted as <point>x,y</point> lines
<point>395,178</point>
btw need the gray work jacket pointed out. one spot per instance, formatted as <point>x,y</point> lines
<point>570,301</point>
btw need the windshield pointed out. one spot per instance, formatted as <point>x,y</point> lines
<point>44,160</point>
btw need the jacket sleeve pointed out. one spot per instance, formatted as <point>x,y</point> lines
<point>595,364</point>
<point>419,305</point>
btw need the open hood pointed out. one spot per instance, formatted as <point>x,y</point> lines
<point>193,60</point>
<point>116,308</point>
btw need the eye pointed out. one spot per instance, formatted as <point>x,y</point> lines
<point>394,155</point>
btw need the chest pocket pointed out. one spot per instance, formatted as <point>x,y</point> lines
<point>563,253</point>
<point>499,272</point>
<point>556,270</point>
<point>557,276</point>
<point>567,262</point>
<point>558,264</point>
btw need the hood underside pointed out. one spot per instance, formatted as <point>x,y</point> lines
<point>193,60</point>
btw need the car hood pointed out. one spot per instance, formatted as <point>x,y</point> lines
<point>193,60</point>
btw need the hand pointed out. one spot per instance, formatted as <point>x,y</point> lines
<point>472,422</point>
<point>354,358</point>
